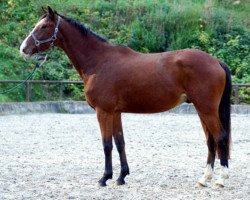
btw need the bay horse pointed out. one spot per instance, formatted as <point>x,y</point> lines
<point>118,79</point>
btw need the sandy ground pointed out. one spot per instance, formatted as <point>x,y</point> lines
<point>59,156</point>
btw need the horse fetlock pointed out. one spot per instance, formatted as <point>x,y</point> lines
<point>107,175</point>
<point>124,170</point>
<point>208,172</point>
<point>224,172</point>
<point>124,173</point>
<point>208,175</point>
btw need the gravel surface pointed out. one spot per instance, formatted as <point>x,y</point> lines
<point>59,156</point>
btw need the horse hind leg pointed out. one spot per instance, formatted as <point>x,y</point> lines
<point>208,171</point>
<point>216,141</point>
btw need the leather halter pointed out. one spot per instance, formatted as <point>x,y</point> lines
<point>51,39</point>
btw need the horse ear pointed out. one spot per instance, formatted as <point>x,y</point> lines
<point>51,13</point>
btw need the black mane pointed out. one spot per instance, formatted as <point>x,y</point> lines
<point>84,30</point>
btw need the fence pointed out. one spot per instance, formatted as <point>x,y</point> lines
<point>29,83</point>
<point>236,91</point>
<point>62,83</point>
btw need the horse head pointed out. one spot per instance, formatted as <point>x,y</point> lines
<point>43,35</point>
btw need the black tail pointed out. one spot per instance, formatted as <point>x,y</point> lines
<point>224,112</point>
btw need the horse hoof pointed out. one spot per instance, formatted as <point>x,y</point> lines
<point>102,183</point>
<point>200,185</point>
<point>120,181</point>
<point>218,185</point>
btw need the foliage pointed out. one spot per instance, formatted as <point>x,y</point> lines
<point>219,27</point>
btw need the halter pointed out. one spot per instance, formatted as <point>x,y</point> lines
<point>51,39</point>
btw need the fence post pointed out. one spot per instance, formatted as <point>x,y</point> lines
<point>236,94</point>
<point>27,91</point>
<point>61,91</point>
<point>48,91</point>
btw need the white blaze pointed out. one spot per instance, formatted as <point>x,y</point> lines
<point>22,47</point>
<point>24,43</point>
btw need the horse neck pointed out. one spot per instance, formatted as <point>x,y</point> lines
<point>84,51</point>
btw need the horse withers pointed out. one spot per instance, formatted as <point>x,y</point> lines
<point>118,79</point>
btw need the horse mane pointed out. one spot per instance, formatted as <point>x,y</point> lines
<point>83,29</point>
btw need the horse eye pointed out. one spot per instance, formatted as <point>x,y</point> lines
<point>44,26</point>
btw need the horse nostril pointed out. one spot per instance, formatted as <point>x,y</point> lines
<point>24,51</point>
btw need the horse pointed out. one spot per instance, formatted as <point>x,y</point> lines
<point>119,80</point>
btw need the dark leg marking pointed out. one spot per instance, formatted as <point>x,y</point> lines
<point>223,149</point>
<point>120,145</point>
<point>108,173</point>
<point>211,150</point>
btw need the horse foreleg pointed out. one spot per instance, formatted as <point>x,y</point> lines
<point>120,145</point>
<point>106,125</point>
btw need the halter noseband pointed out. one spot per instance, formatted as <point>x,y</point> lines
<point>51,39</point>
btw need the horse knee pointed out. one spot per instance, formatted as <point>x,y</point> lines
<point>120,147</point>
<point>124,170</point>
<point>107,146</point>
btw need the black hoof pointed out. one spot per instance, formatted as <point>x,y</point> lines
<point>102,183</point>
<point>120,181</point>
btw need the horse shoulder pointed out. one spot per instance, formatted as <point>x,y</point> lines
<point>99,92</point>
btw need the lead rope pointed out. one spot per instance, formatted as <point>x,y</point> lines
<point>28,77</point>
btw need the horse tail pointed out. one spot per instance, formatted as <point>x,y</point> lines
<point>224,139</point>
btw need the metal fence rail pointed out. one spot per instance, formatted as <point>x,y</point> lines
<point>42,82</point>
<point>236,87</point>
